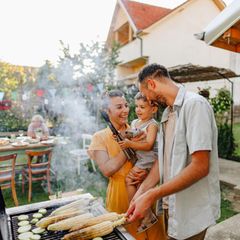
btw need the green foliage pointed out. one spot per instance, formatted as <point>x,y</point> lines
<point>14,78</point>
<point>222,102</point>
<point>226,145</point>
<point>45,76</point>
<point>226,210</point>
<point>221,105</point>
<point>12,120</point>
<point>93,63</point>
<point>236,132</point>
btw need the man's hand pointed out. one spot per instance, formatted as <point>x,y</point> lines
<point>137,175</point>
<point>140,206</point>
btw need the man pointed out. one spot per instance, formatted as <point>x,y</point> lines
<point>188,159</point>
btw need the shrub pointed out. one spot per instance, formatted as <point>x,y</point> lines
<point>11,121</point>
<point>226,145</point>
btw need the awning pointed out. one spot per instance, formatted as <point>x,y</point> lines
<point>188,73</point>
<point>224,30</point>
<point>195,73</point>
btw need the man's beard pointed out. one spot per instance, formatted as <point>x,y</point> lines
<point>159,103</point>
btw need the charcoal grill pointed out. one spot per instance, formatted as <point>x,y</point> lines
<point>13,213</point>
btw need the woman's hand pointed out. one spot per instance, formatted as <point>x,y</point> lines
<point>137,175</point>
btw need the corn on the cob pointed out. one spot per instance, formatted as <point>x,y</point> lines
<point>74,206</point>
<point>112,216</point>
<point>69,222</point>
<point>44,222</point>
<point>97,230</point>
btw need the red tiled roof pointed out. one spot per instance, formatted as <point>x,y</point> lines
<point>144,15</point>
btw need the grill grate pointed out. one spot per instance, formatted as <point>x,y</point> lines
<point>48,235</point>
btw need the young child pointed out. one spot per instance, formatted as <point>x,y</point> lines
<point>144,150</point>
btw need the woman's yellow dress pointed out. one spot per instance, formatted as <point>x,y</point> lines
<point>117,198</point>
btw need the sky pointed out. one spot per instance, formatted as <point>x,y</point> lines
<point>31,30</point>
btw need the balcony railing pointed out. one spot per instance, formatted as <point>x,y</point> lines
<point>130,51</point>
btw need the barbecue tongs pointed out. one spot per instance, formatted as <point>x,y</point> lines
<point>129,152</point>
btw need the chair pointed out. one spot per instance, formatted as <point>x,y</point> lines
<point>87,138</point>
<point>81,154</point>
<point>38,170</point>
<point>7,176</point>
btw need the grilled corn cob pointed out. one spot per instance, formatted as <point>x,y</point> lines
<point>112,216</point>
<point>74,206</point>
<point>97,230</point>
<point>69,222</point>
<point>44,222</point>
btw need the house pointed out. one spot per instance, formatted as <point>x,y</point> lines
<point>149,34</point>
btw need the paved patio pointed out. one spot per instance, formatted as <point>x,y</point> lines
<point>230,228</point>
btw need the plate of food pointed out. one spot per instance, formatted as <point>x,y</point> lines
<point>47,142</point>
<point>4,141</point>
<point>20,144</point>
<point>23,138</point>
<point>33,141</point>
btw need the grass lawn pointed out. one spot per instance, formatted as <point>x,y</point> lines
<point>236,132</point>
<point>226,210</point>
<point>38,195</point>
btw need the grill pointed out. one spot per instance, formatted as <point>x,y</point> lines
<point>115,235</point>
<point>13,213</point>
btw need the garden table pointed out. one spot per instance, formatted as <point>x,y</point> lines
<point>20,150</point>
<point>9,148</point>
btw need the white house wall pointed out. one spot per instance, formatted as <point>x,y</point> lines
<point>121,19</point>
<point>215,85</point>
<point>130,51</point>
<point>172,42</point>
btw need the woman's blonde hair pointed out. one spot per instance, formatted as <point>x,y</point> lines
<point>37,118</point>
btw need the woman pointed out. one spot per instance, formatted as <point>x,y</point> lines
<point>113,164</point>
<point>37,126</point>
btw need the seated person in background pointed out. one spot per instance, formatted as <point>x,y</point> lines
<point>37,128</point>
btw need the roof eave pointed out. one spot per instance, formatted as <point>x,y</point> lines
<point>226,19</point>
<point>121,3</point>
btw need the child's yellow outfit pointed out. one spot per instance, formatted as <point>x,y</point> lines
<point>117,198</point>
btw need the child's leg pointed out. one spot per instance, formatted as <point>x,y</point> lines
<point>149,220</point>
<point>133,181</point>
<point>131,187</point>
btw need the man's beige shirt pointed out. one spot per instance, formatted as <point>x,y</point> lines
<point>197,207</point>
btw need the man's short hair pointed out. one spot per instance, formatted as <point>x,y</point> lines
<point>152,71</point>
<point>108,95</point>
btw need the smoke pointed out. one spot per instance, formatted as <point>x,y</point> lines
<point>69,97</point>
<point>73,107</point>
